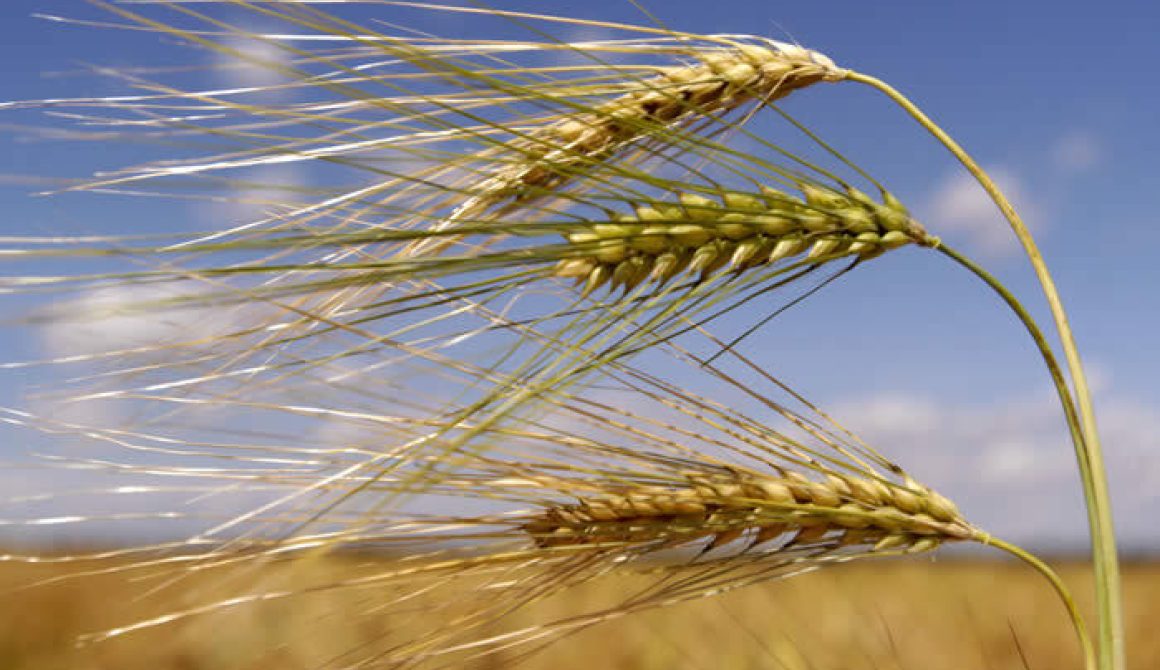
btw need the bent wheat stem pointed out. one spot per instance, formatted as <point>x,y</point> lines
<point>1088,450</point>
<point>1062,390</point>
<point>1061,590</point>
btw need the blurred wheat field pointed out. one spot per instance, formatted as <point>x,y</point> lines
<point>951,614</point>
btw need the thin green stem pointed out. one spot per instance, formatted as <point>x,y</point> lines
<point>1081,631</point>
<point>1045,351</point>
<point>1107,571</point>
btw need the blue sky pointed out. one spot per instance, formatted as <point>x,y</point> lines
<point>1057,98</point>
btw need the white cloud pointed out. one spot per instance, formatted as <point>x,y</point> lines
<point>131,317</point>
<point>124,326</point>
<point>254,63</point>
<point>961,210</point>
<point>894,414</point>
<point>1077,152</point>
<point>256,69</point>
<point>259,193</point>
<point>1010,465</point>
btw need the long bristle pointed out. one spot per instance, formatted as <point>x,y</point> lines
<point>691,491</point>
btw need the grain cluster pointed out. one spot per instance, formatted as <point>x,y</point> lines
<point>701,235</point>
<point>845,510</point>
<point>722,80</point>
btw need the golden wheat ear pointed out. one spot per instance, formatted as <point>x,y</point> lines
<point>630,474</point>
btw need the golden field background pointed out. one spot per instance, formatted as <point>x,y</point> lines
<point>921,613</point>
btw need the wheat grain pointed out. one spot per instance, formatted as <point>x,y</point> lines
<point>634,471</point>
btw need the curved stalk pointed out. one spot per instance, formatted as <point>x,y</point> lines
<point>1104,559</point>
<point>1057,378</point>
<point>1081,631</point>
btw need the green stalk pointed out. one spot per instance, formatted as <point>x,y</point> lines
<point>1057,378</point>
<point>1107,572</point>
<point>1085,643</point>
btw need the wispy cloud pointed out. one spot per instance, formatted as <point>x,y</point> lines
<point>139,324</point>
<point>130,317</point>
<point>251,63</point>
<point>259,67</point>
<point>962,211</point>
<point>1077,152</point>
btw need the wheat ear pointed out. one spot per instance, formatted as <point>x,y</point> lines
<point>686,488</point>
<point>701,235</point>
<point>723,80</point>
<point>856,510</point>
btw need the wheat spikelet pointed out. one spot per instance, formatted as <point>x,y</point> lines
<point>629,161</point>
<point>416,318</point>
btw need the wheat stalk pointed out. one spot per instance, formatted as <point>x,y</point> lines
<point>1079,411</point>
